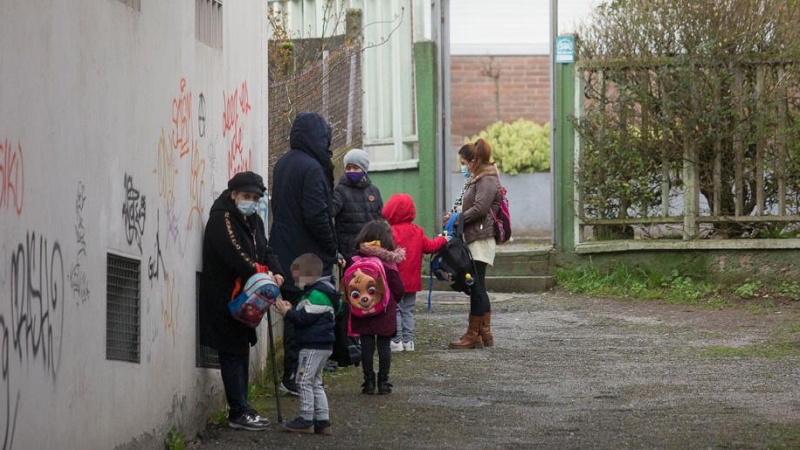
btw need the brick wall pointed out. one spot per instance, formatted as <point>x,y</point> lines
<point>524,88</point>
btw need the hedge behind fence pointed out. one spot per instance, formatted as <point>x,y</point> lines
<point>708,86</point>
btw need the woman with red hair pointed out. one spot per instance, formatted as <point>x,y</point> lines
<point>481,196</point>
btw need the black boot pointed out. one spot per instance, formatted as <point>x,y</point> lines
<point>369,383</point>
<point>384,387</point>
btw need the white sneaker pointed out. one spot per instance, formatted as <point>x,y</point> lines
<point>408,346</point>
<point>396,347</point>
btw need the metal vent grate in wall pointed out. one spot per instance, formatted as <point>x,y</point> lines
<point>123,308</point>
<point>205,357</point>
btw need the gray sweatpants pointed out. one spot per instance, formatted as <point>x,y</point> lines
<point>405,317</point>
<point>313,401</point>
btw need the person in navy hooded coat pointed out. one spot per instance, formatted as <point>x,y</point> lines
<point>301,202</point>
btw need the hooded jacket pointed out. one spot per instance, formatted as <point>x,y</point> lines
<point>354,204</point>
<point>383,323</point>
<point>232,245</point>
<point>301,196</point>
<point>481,196</point>
<point>314,316</point>
<point>400,213</point>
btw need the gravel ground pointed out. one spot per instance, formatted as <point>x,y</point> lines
<point>570,372</point>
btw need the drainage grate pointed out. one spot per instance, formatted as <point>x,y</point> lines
<point>123,295</point>
<point>205,357</point>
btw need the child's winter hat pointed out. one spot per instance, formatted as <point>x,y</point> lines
<point>357,157</point>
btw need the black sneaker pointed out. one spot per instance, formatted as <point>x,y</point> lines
<point>289,387</point>
<point>259,418</point>
<point>323,427</point>
<point>299,425</point>
<point>248,422</point>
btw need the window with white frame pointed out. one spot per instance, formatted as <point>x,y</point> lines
<point>390,134</point>
<point>389,121</point>
<point>208,22</point>
<point>313,18</point>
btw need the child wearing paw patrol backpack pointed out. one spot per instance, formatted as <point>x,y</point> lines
<point>373,288</point>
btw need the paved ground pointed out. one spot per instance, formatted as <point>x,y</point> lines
<point>574,373</point>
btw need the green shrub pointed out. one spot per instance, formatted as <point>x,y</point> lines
<point>518,147</point>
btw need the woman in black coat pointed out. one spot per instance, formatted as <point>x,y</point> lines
<point>234,248</point>
<point>356,202</point>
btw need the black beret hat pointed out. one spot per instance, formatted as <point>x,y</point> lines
<point>247,182</point>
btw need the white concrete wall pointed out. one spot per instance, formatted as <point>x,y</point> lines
<point>511,27</point>
<point>93,92</point>
<point>530,201</point>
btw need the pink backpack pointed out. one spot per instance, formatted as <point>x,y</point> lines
<point>502,218</point>
<point>365,287</point>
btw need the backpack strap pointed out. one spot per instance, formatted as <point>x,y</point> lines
<point>458,230</point>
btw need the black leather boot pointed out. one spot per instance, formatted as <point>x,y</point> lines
<point>369,383</point>
<point>384,387</point>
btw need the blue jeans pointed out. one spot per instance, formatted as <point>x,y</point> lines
<point>234,371</point>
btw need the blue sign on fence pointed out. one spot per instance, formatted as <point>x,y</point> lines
<point>565,49</point>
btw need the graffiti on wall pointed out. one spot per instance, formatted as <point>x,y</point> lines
<point>197,182</point>
<point>172,168</point>
<point>134,213</point>
<point>238,102</point>
<point>12,177</point>
<point>180,138</point>
<point>157,270</point>
<point>169,306</point>
<point>156,262</point>
<point>78,277</point>
<point>32,333</point>
<point>165,170</point>
<point>201,115</point>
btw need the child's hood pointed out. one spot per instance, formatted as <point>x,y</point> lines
<point>325,286</point>
<point>383,254</point>
<point>399,209</point>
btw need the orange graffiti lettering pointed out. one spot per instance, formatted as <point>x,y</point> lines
<point>196,184</point>
<point>169,306</point>
<point>181,117</point>
<point>165,170</point>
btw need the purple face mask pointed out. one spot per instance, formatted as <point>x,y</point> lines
<point>355,177</point>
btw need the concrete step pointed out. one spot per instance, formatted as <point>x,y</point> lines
<point>505,284</point>
<point>520,263</point>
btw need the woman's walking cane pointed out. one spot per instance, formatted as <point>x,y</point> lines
<point>274,366</point>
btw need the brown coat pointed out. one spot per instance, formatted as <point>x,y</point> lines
<point>481,195</point>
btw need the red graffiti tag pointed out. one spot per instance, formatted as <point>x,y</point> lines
<point>12,177</point>
<point>230,112</point>
<point>244,101</point>
<point>239,158</point>
<point>181,116</point>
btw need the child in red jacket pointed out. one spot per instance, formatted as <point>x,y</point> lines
<point>400,212</point>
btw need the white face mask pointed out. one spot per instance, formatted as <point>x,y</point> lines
<point>247,207</point>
